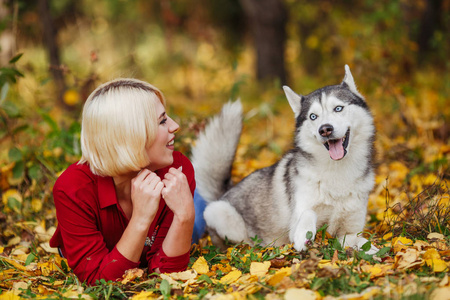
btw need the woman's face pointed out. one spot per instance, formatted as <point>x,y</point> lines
<point>160,151</point>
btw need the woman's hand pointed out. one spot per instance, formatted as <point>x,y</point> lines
<point>177,194</point>
<point>146,190</point>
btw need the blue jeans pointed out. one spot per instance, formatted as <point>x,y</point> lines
<point>199,223</point>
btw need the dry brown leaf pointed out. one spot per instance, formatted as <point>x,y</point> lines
<point>132,274</point>
<point>408,259</point>
<point>183,276</point>
<point>436,236</point>
<point>441,293</point>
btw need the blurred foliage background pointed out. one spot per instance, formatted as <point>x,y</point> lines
<point>201,54</point>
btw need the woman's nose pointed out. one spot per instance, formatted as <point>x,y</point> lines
<point>174,127</point>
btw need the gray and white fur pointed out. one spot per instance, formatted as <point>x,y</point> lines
<point>325,178</point>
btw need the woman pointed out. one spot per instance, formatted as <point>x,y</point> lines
<point>128,202</point>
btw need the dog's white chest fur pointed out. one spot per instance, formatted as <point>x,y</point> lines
<point>330,196</point>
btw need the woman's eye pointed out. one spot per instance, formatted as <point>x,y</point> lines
<point>338,108</point>
<point>163,121</point>
<point>313,116</point>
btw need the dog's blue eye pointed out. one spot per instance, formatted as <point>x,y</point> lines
<point>338,108</point>
<point>313,116</point>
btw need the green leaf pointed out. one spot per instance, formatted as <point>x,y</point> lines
<point>18,169</point>
<point>35,172</point>
<point>15,154</point>
<point>4,92</point>
<point>64,266</point>
<point>309,235</point>
<point>14,204</point>
<point>205,278</point>
<point>165,288</point>
<point>30,258</point>
<point>11,109</point>
<point>383,251</point>
<point>366,247</point>
<point>15,58</point>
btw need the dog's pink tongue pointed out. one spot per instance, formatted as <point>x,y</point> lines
<point>336,149</point>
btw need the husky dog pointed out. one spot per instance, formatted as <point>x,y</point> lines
<point>325,179</point>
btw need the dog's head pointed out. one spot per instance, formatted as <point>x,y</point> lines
<point>331,120</point>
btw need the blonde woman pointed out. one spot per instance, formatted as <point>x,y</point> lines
<point>129,201</point>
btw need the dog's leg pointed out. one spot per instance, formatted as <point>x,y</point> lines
<point>224,219</point>
<point>355,241</point>
<point>306,222</point>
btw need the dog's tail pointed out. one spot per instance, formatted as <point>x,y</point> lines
<point>214,151</point>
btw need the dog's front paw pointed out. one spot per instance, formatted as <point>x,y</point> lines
<point>373,250</point>
<point>358,243</point>
<point>303,240</point>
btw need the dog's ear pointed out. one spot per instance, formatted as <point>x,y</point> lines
<point>348,80</point>
<point>294,99</point>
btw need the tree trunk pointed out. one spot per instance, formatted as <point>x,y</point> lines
<point>8,34</point>
<point>267,19</point>
<point>428,24</point>
<point>50,32</point>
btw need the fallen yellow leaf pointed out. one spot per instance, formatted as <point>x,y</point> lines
<point>14,263</point>
<point>201,265</point>
<point>231,277</point>
<point>76,295</point>
<point>36,204</point>
<point>304,294</point>
<point>387,236</point>
<point>401,243</point>
<point>259,268</point>
<point>9,296</point>
<point>145,295</point>
<point>438,265</point>
<point>433,260</point>
<point>279,275</point>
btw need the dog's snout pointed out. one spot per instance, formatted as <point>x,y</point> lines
<point>326,130</point>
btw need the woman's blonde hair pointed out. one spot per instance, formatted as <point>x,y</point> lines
<point>119,122</point>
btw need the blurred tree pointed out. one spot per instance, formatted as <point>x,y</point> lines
<point>267,19</point>
<point>428,25</point>
<point>229,18</point>
<point>49,37</point>
<point>8,27</point>
<point>430,22</point>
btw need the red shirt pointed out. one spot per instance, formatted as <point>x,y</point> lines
<point>91,222</point>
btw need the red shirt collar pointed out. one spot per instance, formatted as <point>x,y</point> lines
<point>106,191</point>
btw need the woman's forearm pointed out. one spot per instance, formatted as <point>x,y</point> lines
<point>178,239</point>
<point>132,241</point>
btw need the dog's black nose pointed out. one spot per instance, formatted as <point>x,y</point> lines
<point>326,130</point>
